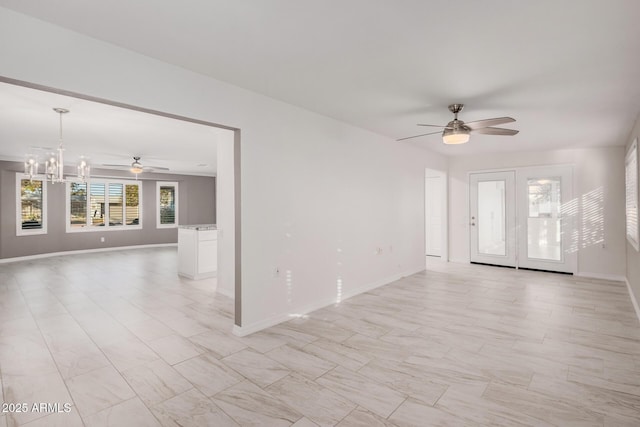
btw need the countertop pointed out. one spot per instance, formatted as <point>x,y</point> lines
<point>200,227</point>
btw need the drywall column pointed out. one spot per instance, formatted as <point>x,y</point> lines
<point>225,215</point>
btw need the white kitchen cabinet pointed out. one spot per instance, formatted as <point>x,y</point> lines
<point>197,251</point>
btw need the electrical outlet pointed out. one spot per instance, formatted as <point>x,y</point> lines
<point>102,239</point>
<point>276,272</point>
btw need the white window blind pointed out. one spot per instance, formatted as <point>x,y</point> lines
<point>631,192</point>
<point>104,205</point>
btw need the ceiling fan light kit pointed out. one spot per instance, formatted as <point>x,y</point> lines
<point>458,132</point>
<point>455,132</point>
<point>136,166</point>
<point>455,136</point>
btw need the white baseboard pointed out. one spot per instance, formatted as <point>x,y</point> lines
<point>460,260</point>
<point>245,330</point>
<point>83,251</point>
<point>612,277</point>
<point>634,301</point>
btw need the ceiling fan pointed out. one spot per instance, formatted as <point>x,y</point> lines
<point>137,167</point>
<point>457,131</point>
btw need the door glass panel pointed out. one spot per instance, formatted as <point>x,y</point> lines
<point>491,218</point>
<point>543,222</point>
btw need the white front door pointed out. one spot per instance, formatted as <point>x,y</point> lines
<point>545,210</point>
<point>523,218</point>
<point>492,218</point>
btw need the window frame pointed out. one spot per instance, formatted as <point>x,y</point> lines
<point>88,228</point>
<point>45,214</point>
<point>173,184</point>
<point>631,194</point>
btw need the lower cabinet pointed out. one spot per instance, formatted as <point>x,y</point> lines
<point>197,253</point>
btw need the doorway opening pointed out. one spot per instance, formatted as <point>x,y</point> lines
<point>228,184</point>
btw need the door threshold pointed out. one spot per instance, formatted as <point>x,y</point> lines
<point>522,268</point>
<point>546,271</point>
<point>492,265</point>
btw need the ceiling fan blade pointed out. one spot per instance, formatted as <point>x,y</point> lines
<point>114,166</point>
<point>433,126</point>
<point>495,131</point>
<point>155,168</point>
<point>478,124</point>
<point>417,136</point>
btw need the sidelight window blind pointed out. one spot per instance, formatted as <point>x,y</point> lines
<point>631,192</point>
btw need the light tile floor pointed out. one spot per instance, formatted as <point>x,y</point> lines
<point>126,343</point>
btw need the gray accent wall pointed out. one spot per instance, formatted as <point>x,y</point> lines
<point>196,204</point>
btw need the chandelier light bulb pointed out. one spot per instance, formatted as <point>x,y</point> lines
<point>31,166</point>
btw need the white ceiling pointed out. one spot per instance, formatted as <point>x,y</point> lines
<point>568,71</point>
<point>103,133</point>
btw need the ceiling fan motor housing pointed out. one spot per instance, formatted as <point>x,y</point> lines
<point>455,132</point>
<point>456,108</point>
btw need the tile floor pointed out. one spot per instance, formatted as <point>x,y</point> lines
<point>126,343</point>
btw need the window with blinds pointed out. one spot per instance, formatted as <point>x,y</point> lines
<point>103,205</point>
<point>167,207</point>
<point>31,205</point>
<point>631,191</point>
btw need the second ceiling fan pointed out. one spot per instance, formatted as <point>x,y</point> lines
<point>457,131</point>
<point>136,167</point>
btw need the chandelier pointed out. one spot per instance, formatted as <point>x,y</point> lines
<point>54,163</point>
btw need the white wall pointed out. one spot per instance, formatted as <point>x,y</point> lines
<point>596,171</point>
<point>225,215</point>
<point>633,256</point>
<point>318,196</point>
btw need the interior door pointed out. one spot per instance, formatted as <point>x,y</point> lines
<point>544,217</point>
<point>492,218</point>
<point>433,216</point>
